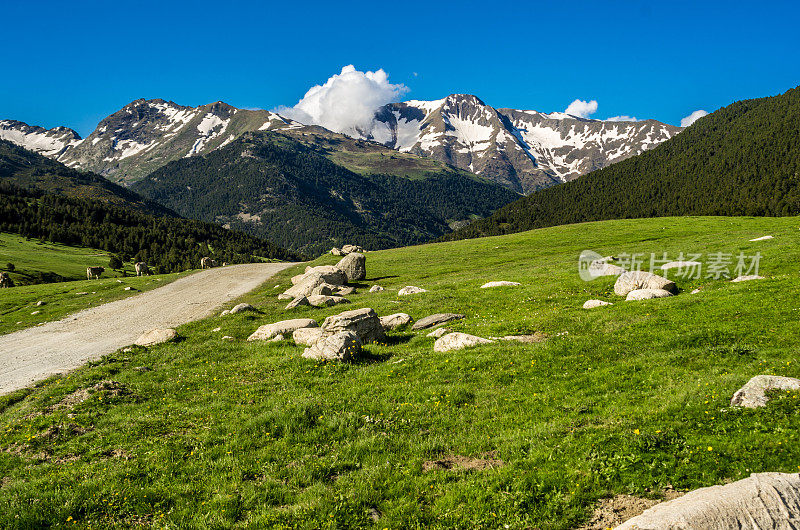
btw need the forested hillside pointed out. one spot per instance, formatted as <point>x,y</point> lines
<point>302,195</point>
<point>743,159</point>
<point>168,244</point>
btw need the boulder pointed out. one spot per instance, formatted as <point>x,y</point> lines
<point>349,249</point>
<point>344,291</point>
<point>337,251</point>
<point>325,289</point>
<point>434,320</point>
<point>340,346</point>
<point>763,500</point>
<point>601,267</point>
<point>747,278</point>
<point>754,393</point>
<point>499,284</point>
<point>326,273</point>
<point>284,327</point>
<point>297,302</point>
<point>156,336</point>
<point>410,289</point>
<point>225,312</point>
<point>364,322</point>
<point>240,308</point>
<point>647,294</point>
<point>395,321</point>
<point>285,296</point>
<point>306,286</point>
<point>591,304</point>
<point>375,289</point>
<point>695,291</point>
<point>354,266</point>
<point>438,332</point>
<point>631,281</point>
<point>308,336</point>
<point>458,341</point>
<point>762,238</point>
<point>320,300</point>
<point>40,303</point>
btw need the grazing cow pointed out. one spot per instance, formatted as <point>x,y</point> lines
<point>5,280</point>
<point>207,263</point>
<point>93,273</point>
<point>142,269</point>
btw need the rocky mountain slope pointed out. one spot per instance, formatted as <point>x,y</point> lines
<point>743,159</point>
<point>521,150</point>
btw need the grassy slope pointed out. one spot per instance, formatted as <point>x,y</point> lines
<point>632,398</point>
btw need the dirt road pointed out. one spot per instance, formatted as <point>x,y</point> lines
<point>32,354</point>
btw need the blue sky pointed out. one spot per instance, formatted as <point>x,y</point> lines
<point>73,63</point>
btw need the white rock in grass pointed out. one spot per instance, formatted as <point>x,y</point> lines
<point>320,300</point>
<point>436,333</point>
<point>308,336</point>
<point>297,302</point>
<point>410,289</point>
<point>695,291</point>
<point>375,289</point>
<point>156,336</point>
<point>284,327</point>
<point>458,341</point>
<point>762,238</point>
<point>591,304</point>
<point>364,322</point>
<point>754,393</point>
<point>395,321</point>
<point>763,500</point>
<point>747,278</point>
<point>631,281</point>
<point>341,346</point>
<point>354,266</point>
<point>647,294</point>
<point>499,284</point>
<point>241,308</point>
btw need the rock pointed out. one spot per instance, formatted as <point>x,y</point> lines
<point>285,296</point>
<point>156,336</point>
<point>337,251</point>
<point>297,302</point>
<point>306,286</point>
<point>284,327</point>
<point>129,289</point>
<point>410,289</point>
<point>216,329</point>
<point>763,500</point>
<point>225,312</point>
<point>435,320</point>
<point>591,304</point>
<point>81,293</point>
<point>40,303</point>
<point>395,321</point>
<point>320,300</point>
<point>277,338</point>
<point>325,289</point>
<point>364,322</point>
<point>354,266</point>
<point>375,289</point>
<point>680,265</point>
<point>227,337</point>
<point>747,278</point>
<point>329,273</point>
<point>436,333</point>
<point>35,312</point>
<point>631,281</point>
<point>695,291</point>
<point>349,249</point>
<point>240,308</point>
<point>458,341</point>
<point>647,294</point>
<point>499,284</point>
<point>762,238</point>
<point>754,393</point>
<point>344,291</point>
<point>601,267</point>
<point>308,336</point>
<point>340,346</point>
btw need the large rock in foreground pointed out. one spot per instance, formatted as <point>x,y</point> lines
<point>363,322</point>
<point>308,336</point>
<point>284,327</point>
<point>763,500</point>
<point>341,346</point>
<point>754,393</point>
<point>156,336</point>
<point>634,280</point>
<point>354,266</point>
<point>458,341</point>
<point>434,320</point>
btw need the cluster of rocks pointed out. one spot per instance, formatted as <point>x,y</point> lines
<point>635,285</point>
<point>326,285</point>
<point>347,249</point>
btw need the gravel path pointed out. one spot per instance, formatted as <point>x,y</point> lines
<point>33,354</point>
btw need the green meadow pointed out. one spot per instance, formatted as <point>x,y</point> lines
<point>630,398</point>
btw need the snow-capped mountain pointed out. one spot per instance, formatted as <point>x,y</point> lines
<point>521,150</point>
<point>524,150</point>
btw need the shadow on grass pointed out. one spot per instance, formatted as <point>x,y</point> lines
<point>380,278</point>
<point>368,357</point>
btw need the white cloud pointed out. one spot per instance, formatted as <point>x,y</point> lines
<point>693,117</point>
<point>582,109</point>
<point>347,101</point>
<point>622,118</point>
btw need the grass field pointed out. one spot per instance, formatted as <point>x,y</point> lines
<point>631,398</point>
<point>30,257</point>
